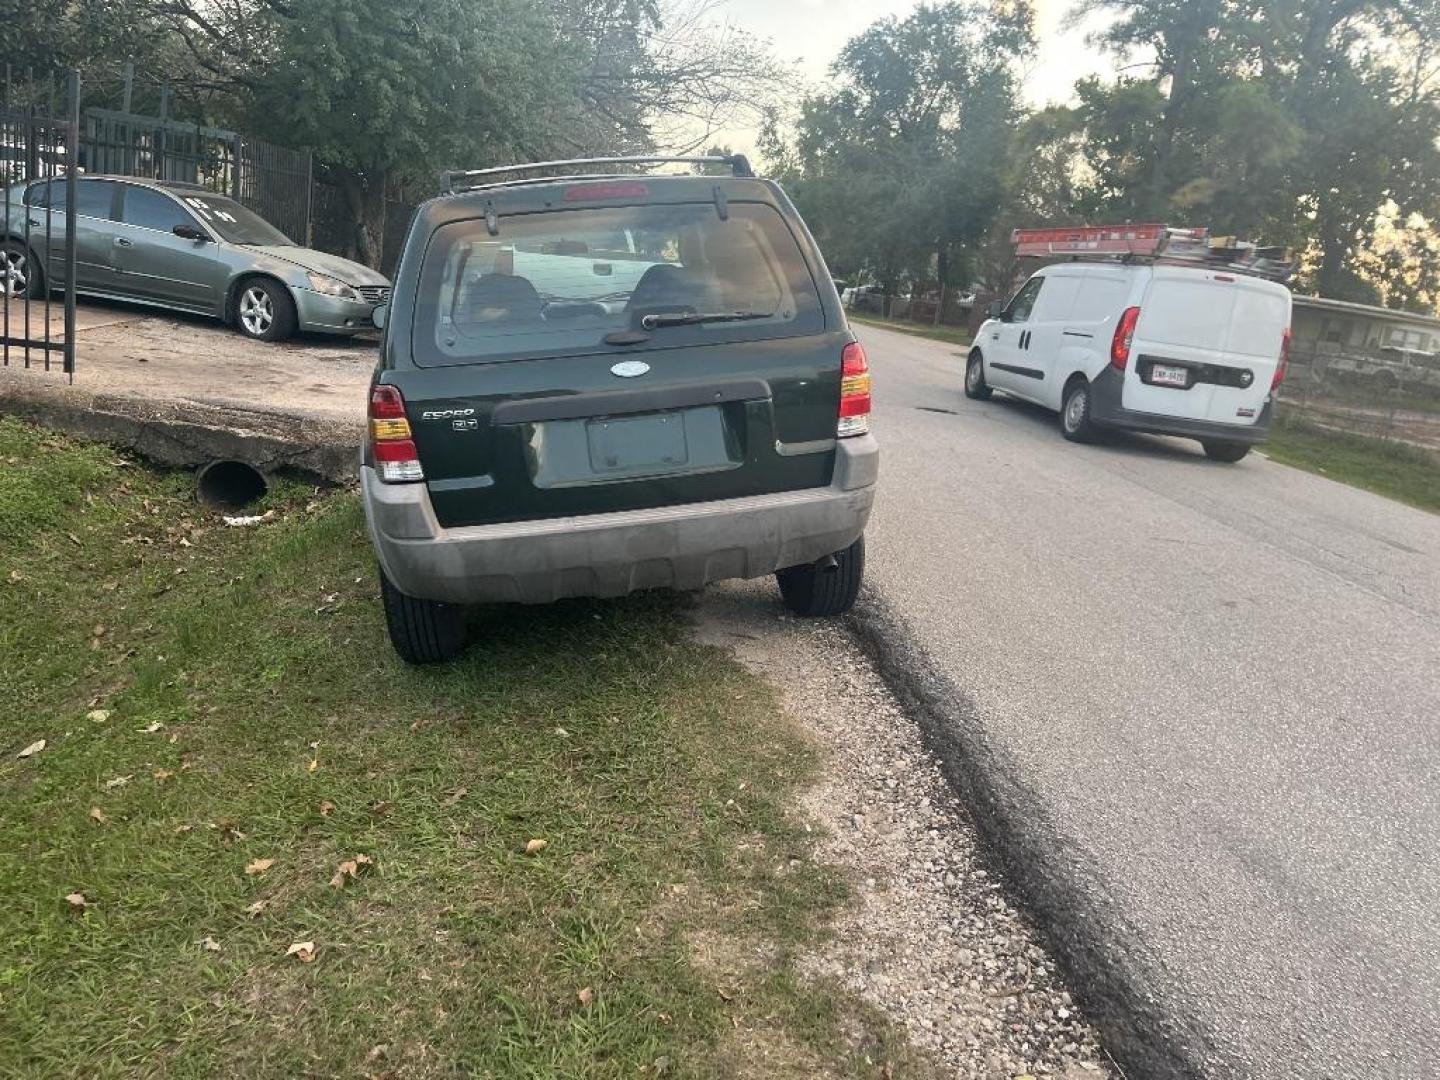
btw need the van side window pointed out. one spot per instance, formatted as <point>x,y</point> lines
<point>1024,301</point>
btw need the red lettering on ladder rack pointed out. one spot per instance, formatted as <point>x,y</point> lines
<point>1092,240</point>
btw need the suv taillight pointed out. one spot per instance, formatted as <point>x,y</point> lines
<point>854,392</point>
<point>1124,335</point>
<point>391,446</point>
<point>1279,376</point>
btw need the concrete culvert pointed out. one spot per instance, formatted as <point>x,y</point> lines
<point>229,485</point>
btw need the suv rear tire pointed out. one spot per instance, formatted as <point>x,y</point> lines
<point>1075,422</point>
<point>975,386</point>
<point>264,310</point>
<point>1223,450</point>
<point>422,631</point>
<point>818,589</point>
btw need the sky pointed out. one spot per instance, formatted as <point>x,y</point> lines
<point>812,32</point>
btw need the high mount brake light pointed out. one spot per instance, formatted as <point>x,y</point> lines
<point>1124,335</point>
<point>854,392</point>
<point>392,447</point>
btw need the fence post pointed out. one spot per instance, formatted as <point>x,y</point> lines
<point>161,134</point>
<point>309,198</point>
<point>72,150</point>
<point>235,153</point>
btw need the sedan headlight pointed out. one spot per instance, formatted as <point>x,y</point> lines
<point>329,286</point>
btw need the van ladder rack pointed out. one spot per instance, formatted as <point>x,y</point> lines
<point>1162,244</point>
<point>457,180</point>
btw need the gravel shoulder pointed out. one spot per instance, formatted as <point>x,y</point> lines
<point>930,938</point>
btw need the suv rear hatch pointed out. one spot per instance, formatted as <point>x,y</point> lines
<point>612,345</point>
<point>1207,345</point>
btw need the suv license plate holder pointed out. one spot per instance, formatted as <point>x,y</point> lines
<point>1169,375</point>
<point>624,444</point>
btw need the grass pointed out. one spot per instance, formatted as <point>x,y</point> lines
<point>214,696</point>
<point>952,335</point>
<point>1397,470</point>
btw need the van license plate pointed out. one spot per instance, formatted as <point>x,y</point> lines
<point>1163,375</point>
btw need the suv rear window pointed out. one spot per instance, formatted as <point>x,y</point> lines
<point>559,282</point>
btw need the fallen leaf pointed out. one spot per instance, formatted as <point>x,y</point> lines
<point>314,764</point>
<point>209,944</point>
<point>380,809</point>
<point>98,716</point>
<point>724,996</point>
<point>15,575</point>
<point>34,748</point>
<point>110,586</point>
<point>151,728</point>
<point>586,996</point>
<point>77,900</point>
<point>98,816</point>
<point>116,781</point>
<point>562,733</point>
<point>327,808</point>
<point>304,951</point>
<point>349,868</point>
<point>259,866</point>
<point>256,908</point>
<point>161,775</point>
<point>181,829</point>
<point>534,847</point>
<point>73,538</point>
<point>99,630</point>
<point>455,796</point>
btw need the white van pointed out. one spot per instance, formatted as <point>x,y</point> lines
<point>1173,350</point>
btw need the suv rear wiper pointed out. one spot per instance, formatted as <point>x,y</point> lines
<point>693,318</point>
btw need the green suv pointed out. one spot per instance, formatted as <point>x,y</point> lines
<point>594,384</point>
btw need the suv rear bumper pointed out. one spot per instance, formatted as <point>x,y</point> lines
<point>1106,410</point>
<point>681,547</point>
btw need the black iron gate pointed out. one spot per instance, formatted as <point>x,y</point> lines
<point>39,151</point>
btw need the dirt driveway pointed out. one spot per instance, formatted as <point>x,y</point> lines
<point>185,389</point>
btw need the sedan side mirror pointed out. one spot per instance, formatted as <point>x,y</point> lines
<point>190,232</point>
<point>378,316</point>
<point>994,310</point>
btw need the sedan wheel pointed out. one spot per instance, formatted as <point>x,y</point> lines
<point>18,274</point>
<point>265,311</point>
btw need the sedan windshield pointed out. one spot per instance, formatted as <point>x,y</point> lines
<point>236,223</point>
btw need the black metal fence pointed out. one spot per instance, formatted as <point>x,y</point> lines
<point>38,142</point>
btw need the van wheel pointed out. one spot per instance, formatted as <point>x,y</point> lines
<point>827,587</point>
<point>422,631</point>
<point>1222,450</point>
<point>1075,422</point>
<point>975,378</point>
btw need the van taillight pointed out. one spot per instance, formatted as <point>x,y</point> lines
<point>1124,335</point>
<point>392,448</point>
<point>854,392</point>
<point>1284,365</point>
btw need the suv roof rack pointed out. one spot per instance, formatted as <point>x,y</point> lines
<point>454,181</point>
<point>1157,244</point>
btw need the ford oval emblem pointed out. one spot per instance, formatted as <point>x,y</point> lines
<point>629,369</point>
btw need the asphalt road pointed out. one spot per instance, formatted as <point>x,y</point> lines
<point>1201,706</point>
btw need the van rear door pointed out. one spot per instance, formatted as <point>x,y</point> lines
<point>1207,345</point>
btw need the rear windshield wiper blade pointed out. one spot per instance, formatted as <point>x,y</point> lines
<point>694,318</point>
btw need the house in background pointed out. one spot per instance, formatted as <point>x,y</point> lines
<point>1381,347</point>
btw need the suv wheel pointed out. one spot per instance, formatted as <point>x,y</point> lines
<point>1221,450</point>
<point>19,272</point>
<point>975,386</point>
<point>422,631</point>
<point>264,310</point>
<point>1075,422</point>
<point>827,587</point>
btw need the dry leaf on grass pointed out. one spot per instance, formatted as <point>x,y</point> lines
<point>586,996</point>
<point>304,951</point>
<point>98,716</point>
<point>78,901</point>
<point>209,944</point>
<point>327,808</point>
<point>150,728</point>
<point>456,795</point>
<point>381,808</point>
<point>256,908</point>
<point>162,775</point>
<point>349,868</point>
<point>116,781</point>
<point>314,764</point>
<point>534,847</point>
<point>98,816</point>
<point>259,866</point>
<point>34,748</point>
